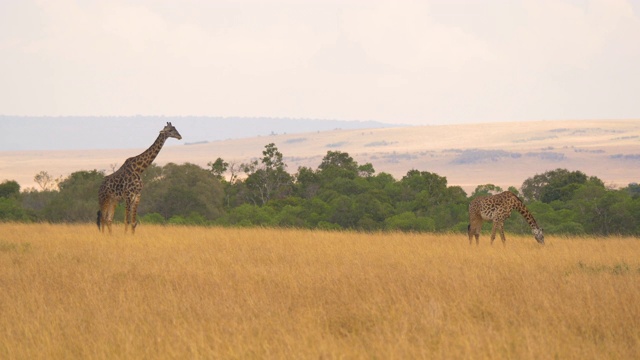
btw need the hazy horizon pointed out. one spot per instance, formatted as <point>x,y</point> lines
<point>401,62</point>
<point>18,133</point>
<point>44,133</point>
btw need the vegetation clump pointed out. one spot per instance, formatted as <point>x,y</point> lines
<point>338,194</point>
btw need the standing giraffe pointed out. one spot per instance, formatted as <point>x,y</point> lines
<point>497,208</point>
<point>126,184</point>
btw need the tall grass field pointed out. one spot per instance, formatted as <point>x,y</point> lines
<point>70,292</point>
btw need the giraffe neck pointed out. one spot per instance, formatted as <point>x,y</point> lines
<point>526,214</point>
<point>141,162</point>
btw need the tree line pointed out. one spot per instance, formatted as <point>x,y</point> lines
<point>338,194</point>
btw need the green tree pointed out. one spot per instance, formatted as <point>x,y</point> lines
<point>602,211</point>
<point>247,215</point>
<point>152,218</point>
<point>290,216</point>
<point>419,181</point>
<point>383,181</point>
<point>342,212</point>
<point>77,200</point>
<point>10,210</point>
<point>183,190</point>
<point>46,181</point>
<point>218,168</point>
<point>633,189</point>
<point>151,174</point>
<point>366,170</point>
<point>268,179</point>
<point>316,211</point>
<point>9,189</point>
<point>485,190</point>
<point>370,211</point>
<point>337,164</point>
<point>558,184</point>
<point>10,207</point>
<point>423,193</point>
<point>35,201</point>
<point>307,183</point>
<point>553,220</point>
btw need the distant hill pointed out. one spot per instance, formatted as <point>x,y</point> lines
<point>104,132</point>
<point>503,154</point>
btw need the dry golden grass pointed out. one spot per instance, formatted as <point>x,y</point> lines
<point>67,291</point>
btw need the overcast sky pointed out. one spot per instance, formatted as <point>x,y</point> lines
<point>416,62</point>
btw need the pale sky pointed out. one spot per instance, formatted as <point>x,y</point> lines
<point>414,62</point>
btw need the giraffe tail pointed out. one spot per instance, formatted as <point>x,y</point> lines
<point>98,219</point>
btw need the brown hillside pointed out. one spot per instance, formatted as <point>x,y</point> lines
<point>503,154</point>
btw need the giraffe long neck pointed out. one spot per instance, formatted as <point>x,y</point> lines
<point>526,214</point>
<point>141,162</point>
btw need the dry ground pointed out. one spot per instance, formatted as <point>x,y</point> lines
<point>503,154</point>
<point>188,292</point>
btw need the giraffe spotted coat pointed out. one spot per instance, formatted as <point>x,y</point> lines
<point>126,184</point>
<point>497,208</point>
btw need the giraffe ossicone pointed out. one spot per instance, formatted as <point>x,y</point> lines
<point>497,208</point>
<point>126,184</point>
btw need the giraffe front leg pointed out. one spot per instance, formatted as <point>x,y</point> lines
<point>134,213</point>
<point>127,214</point>
<point>493,232</point>
<point>109,222</point>
<point>504,240</point>
<point>108,215</point>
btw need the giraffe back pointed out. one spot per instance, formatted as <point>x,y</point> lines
<point>495,207</point>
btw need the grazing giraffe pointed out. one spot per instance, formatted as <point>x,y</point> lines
<point>497,208</point>
<point>126,184</point>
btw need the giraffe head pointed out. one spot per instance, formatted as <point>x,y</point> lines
<point>538,234</point>
<point>171,131</point>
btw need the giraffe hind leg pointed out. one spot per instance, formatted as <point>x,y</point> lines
<point>474,229</point>
<point>105,215</point>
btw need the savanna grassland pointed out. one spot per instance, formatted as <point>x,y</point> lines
<point>67,291</point>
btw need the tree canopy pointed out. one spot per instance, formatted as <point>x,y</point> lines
<point>338,194</point>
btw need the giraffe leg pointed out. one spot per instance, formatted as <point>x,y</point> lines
<point>102,218</point>
<point>134,213</point>
<point>111,211</point>
<point>474,231</point>
<point>106,214</point>
<point>504,240</point>
<point>102,214</point>
<point>127,214</point>
<point>493,232</point>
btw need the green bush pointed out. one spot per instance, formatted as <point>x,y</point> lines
<point>152,218</point>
